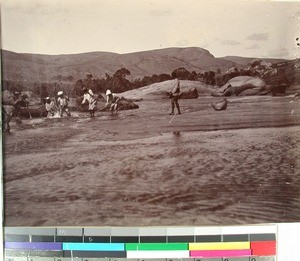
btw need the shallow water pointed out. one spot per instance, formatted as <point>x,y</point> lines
<point>139,169</point>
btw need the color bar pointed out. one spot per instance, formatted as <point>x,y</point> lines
<point>157,254</point>
<point>94,246</point>
<point>219,246</point>
<point>220,253</point>
<point>263,248</point>
<point>156,246</point>
<point>33,245</point>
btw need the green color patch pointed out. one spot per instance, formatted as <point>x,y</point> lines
<point>156,246</point>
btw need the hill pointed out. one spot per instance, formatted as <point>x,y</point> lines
<point>36,68</point>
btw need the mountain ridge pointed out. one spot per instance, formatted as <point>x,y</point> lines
<point>37,68</point>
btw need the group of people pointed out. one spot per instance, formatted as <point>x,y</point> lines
<point>112,101</point>
<point>62,104</point>
<point>88,97</point>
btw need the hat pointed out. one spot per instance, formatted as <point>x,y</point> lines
<point>108,92</point>
<point>47,98</point>
<point>60,93</point>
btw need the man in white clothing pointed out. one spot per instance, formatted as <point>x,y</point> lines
<point>89,97</point>
<point>112,101</point>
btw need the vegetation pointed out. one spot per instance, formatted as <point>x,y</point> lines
<point>274,74</point>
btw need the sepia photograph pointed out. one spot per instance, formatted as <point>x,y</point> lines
<point>150,113</point>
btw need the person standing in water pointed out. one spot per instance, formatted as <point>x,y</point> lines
<point>89,97</point>
<point>112,101</point>
<point>50,107</point>
<point>174,96</point>
<point>63,104</point>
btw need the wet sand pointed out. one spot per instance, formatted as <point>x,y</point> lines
<point>145,167</point>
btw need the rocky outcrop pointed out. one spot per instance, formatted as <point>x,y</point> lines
<point>161,90</point>
<point>241,85</point>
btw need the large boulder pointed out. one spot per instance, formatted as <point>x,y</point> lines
<point>9,98</point>
<point>123,104</point>
<point>251,91</point>
<point>186,93</point>
<point>160,90</point>
<point>36,108</point>
<point>189,93</point>
<point>34,100</point>
<point>238,85</point>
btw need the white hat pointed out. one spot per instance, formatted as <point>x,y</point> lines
<point>60,93</point>
<point>47,98</point>
<point>108,92</point>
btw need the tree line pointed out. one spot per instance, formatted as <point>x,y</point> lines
<point>119,82</point>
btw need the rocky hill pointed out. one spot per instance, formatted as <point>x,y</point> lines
<point>36,68</point>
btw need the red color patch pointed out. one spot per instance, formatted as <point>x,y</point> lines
<point>263,248</point>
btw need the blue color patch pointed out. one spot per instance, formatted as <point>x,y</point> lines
<point>94,246</point>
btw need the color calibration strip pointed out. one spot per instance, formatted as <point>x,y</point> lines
<point>239,243</point>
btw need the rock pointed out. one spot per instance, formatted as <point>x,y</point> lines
<point>238,85</point>
<point>293,89</point>
<point>217,94</point>
<point>251,91</point>
<point>36,108</point>
<point>219,106</point>
<point>161,90</point>
<point>123,104</point>
<point>34,100</point>
<point>189,93</point>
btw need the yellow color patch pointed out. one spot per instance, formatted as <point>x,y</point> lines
<point>219,246</point>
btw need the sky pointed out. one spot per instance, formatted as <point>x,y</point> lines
<point>248,28</point>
